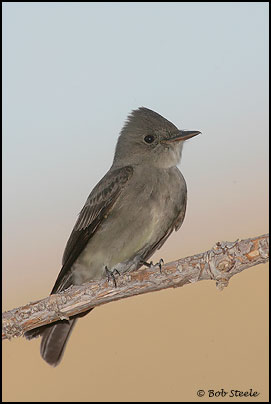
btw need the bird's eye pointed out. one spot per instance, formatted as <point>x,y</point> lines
<point>149,138</point>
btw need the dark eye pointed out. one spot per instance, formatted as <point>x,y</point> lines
<point>149,138</point>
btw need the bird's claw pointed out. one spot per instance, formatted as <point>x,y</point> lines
<point>161,261</point>
<point>111,274</point>
<point>150,264</point>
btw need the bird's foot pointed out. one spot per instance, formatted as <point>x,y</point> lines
<point>111,275</point>
<point>151,264</point>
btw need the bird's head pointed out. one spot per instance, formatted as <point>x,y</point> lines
<point>148,138</point>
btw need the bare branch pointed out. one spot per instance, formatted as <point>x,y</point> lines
<point>220,263</point>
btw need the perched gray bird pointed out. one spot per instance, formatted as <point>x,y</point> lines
<point>128,215</point>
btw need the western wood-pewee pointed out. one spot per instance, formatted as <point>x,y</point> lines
<point>128,215</point>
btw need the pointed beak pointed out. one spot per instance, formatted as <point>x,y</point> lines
<point>181,136</point>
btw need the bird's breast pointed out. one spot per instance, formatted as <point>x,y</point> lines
<point>142,215</point>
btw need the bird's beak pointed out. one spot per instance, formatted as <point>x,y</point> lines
<point>181,135</point>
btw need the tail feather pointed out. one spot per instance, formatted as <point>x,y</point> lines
<point>54,340</point>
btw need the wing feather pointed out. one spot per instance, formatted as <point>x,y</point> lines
<point>97,207</point>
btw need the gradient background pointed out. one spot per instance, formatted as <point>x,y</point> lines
<point>72,72</point>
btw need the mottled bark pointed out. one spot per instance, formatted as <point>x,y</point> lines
<point>220,263</point>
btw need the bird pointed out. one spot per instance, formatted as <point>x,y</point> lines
<point>128,215</point>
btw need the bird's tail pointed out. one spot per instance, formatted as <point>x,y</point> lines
<point>54,339</point>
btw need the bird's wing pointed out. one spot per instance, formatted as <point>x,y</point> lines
<point>97,207</point>
<point>176,224</point>
<point>180,218</point>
